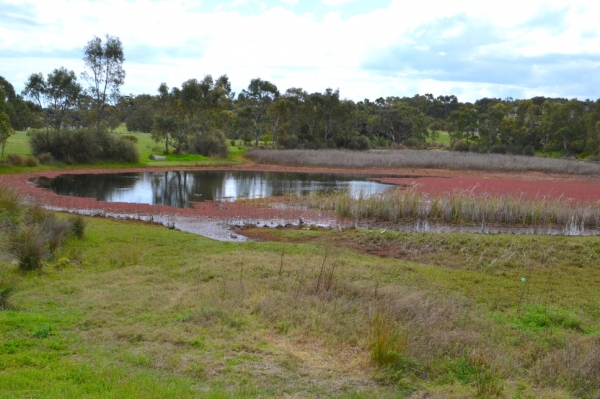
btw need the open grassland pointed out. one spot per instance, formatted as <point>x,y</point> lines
<point>137,310</point>
<point>422,159</point>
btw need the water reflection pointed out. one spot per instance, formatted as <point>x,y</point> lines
<point>181,188</point>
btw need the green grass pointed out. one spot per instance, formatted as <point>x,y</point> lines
<point>443,138</point>
<point>18,143</point>
<point>136,310</point>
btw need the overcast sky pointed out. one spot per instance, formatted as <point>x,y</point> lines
<point>366,48</point>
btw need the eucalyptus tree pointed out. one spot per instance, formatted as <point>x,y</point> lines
<point>279,112</point>
<point>187,113</point>
<point>255,102</point>
<point>6,129</point>
<point>56,95</point>
<point>104,73</point>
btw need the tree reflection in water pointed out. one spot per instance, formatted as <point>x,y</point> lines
<point>181,188</point>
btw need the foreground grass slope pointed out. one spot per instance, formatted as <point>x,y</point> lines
<point>137,310</point>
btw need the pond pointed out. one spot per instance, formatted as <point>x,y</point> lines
<point>183,188</point>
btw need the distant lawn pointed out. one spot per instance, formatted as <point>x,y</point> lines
<point>18,144</point>
<point>443,138</point>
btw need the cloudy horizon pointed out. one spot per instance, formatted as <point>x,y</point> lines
<point>365,49</point>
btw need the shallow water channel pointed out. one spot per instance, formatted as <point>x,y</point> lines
<point>183,188</point>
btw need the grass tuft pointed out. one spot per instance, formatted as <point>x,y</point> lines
<point>28,245</point>
<point>8,287</point>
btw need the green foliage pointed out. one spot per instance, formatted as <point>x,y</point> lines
<point>11,206</point>
<point>28,245</point>
<point>130,137</point>
<point>84,146</point>
<point>8,287</point>
<point>78,226</point>
<point>387,342</point>
<point>539,317</point>
<point>212,143</point>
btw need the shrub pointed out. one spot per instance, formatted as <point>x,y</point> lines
<point>386,341</point>
<point>78,225</point>
<point>210,144</point>
<point>130,137</point>
<point>15,159</point>
<point>529,151</point>
<point>265,138</point>
<point>459,145</point>
<point>476,148</point>
<point>11,206</point>
<point>413,143</point>
<point>360,143</point>
<point>8,288</point>
<point>84,146</point>
<point>498,149</point>
<point>28,245</point>
<point>45,158</point>
<point>288,141</point>
<point>55,231</point>
<point>31,161</point>
<point>514,150</point>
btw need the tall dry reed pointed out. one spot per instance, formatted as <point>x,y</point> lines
<point>458,207</point>
<point>423,159</point>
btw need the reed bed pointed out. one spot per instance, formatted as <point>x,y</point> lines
<point>458,207</point>
<point>423,159</point>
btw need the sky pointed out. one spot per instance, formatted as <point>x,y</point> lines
<point>364,48</point>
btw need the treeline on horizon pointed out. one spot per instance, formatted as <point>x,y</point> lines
<point>201,114</point>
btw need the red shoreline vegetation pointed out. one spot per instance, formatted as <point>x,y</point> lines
<point>434,181</point>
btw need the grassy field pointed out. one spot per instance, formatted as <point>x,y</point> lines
<point>443,138</point>
<point>136,310</point>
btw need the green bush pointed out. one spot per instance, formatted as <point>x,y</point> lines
<point>78,226</point>
<point>288,142</point>
<point>498,149</point>
<point>84,146</point>
<point>210,144</point>
<point>15,159</point>
<point>31,161</point>
<point>28,245</point>
<point>45,158</point>
<point>8,287</point>
<point>11,206</point>
<point>459,145</point>
<point>360,143</point>
<point>130,137</point>
<point>529,151</point>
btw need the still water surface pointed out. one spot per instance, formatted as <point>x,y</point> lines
<point>181,188</point>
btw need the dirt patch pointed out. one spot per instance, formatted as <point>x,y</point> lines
<point>350,239</point>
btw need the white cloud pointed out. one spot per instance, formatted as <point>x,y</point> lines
<point>336,2</point>
<point>287,48</point>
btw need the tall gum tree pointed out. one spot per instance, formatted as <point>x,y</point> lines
<point>104,73</point>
